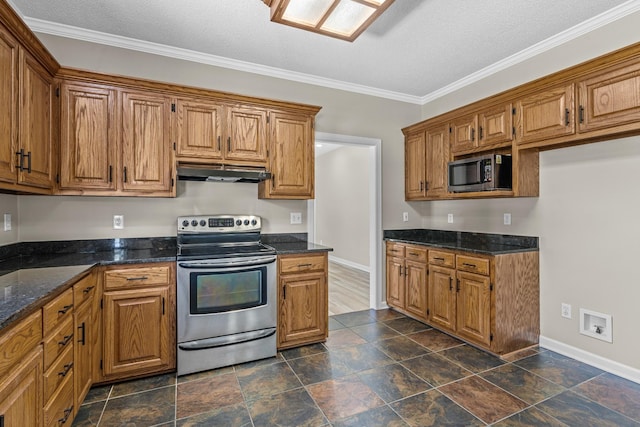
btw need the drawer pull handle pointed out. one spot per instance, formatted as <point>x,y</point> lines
<point>65,340</point>
<point>137,278</point>
<point>67,412</point>
<point>67,368</point>
<point>304,265</point>
<point>65,309</point>
<point>395,251</point>
<point>438,259</point>
<point>470,265</point>
<point>414,253</point>
<point>82,339</point>
<point>87,289</point>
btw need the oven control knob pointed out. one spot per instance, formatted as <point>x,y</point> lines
<point>239,222</point>
<point>203,223</point>
<point>246,222</point>
<point>254,222</point>
<point>194,222</point>
<point>185,223</point>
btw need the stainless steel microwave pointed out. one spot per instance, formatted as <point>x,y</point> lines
<point>482,173</point>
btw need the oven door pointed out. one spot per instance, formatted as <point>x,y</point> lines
<point>225,296</point>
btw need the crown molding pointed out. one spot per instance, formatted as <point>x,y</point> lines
<point>572,33</point>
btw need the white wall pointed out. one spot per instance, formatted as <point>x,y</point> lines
<point>342,203</point>
<point>586,215</point>
<point>9,204</point>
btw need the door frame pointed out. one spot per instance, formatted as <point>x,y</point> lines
<point>376,300</point>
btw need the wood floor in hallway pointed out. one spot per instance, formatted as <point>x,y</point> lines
<point>348,289</point>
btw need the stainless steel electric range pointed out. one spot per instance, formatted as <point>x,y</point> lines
<point>226,292</point>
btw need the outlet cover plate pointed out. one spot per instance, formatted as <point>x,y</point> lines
<point>118,222</point>
<point>296,218</point>
<point>565,310</point>
<point>7,222</point>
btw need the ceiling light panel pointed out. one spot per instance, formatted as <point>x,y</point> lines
<point>306,12</point>
<point>347,17</point>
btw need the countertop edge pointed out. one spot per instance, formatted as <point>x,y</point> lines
<point>511,250</point>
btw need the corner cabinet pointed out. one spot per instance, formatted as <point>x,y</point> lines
<point>491,301</point>
<point>291,157</point>
<point>303,307</point>
<point>139,320</point>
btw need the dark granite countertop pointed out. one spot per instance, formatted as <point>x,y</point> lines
<point>292,243</point>
<point>481,243</point>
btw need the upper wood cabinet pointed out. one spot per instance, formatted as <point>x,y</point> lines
<point>610,98</point>
<point>426,158</point>
<point>414,166</point>
<point>487,128</point>
<point>8,106</point>
<point>246,135</point>
<point>291,157</point>
<point>146,142</point>
<point>546,114</point>
<point>88,143</point>
<point>463,133</point>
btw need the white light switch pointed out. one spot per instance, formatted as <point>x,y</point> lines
<point>405,216</point>
<point>7,222</point>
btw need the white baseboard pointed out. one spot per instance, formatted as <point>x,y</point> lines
<point>349,263</point>
<point>600,362</point>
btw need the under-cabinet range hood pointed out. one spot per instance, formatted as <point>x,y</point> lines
<point>222,173</point>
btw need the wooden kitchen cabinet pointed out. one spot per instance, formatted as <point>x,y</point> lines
<point>21,393</point>
<point>8,106</point>
<point>426,158</point>
<point>303,307</point>
<point>291,157</point>
<point>139,320</point>
<point>407,278</point>
<point>463,133</point>
<point>88,143</point>
<point>414,166</point>
<point>546,114</point>
<point>86,330</point>
<point>490,127</point>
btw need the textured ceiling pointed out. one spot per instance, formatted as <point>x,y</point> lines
<point>416,48</point>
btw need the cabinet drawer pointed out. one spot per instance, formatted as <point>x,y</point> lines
<point>445,259</point>
<point>303,264</point>
<point>136,277</point>
<point>56,374</point>
<point>57,342</point>
<point>473,264</point>
<point>57,311</point>
<point>395,249</point>
<point>59,410</point>
<point>84,290</point>
<point>415,253</point>
<point>16,342</point>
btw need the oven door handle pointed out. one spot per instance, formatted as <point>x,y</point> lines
<point>227,340</point>
<point>226,264</point>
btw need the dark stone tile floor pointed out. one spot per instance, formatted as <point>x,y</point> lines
<point>378,368</point>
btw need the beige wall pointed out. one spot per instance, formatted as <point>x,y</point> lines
<point>342,203</point>
<point>9,204</point>
<point>586,215</point>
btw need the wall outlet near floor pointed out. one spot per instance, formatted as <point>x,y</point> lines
<point>7,222</point>
<point>565,310</point>
<point>507,219</point>
<point>118,222</point>
<point>450,218</point>
<point>296,218</point>
<point>405,216</point>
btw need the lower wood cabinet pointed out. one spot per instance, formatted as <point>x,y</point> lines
<point>303,307</point>
<point>87,334</point>
<point>139,320</point>
<point>21,393</point>
<point>491,301</point>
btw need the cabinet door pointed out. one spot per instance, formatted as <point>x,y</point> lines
<point>414,166</point>
<point>547,114</point>
<point>463,133</point>
<point>8,106</point>
<point>21,393</point>
<point>246,135</point>
<point>146,149</point>
<point>610,99</point>
<point>495,125</point>
<point>199,129</point>
<point>291,157</point>
<point>442,297</point>
<point>35,136</point>
<point>474,308</point>
<point>138,333</point>
<point>88,137</point>
<point>437,159</point>
<point>303,308</point>
<point>416,292</point>
<point>395,282</point>
<point>83,352</point>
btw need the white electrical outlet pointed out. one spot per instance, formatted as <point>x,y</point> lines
<point>296,218</point>
<point>7,222</point>
<point>118,222</point>
<point>507,219</point>
<point>565,310</point>
<point>450,218</point>
<point>405,216</point>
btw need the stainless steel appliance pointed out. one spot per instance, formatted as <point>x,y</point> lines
<point>482,173</point>
<point>226,292</point>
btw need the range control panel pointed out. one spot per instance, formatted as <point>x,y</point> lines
<point>219,223</point>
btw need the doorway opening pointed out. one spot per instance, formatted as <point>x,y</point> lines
<point>347,258</point>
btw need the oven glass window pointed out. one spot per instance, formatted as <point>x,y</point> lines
<point>217,292</point>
